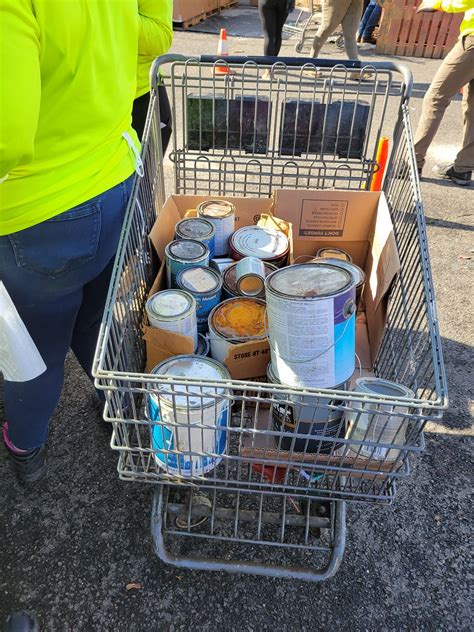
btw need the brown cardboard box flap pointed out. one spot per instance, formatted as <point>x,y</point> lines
<point>248,359</point>
<point>162,344</point>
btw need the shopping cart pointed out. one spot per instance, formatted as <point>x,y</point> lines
<point>306,24</point>
<point>267,508</point>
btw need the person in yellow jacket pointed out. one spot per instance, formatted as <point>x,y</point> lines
<point>67,154</point>
<point>160,37</point>
<point>456,72</point>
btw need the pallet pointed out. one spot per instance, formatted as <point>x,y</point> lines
<point>407,33</point>
<point>194,21</point>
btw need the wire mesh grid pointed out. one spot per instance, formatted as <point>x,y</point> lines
<point>350,455</point>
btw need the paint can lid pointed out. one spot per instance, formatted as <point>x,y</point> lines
<point>309,280</point>
<point>216,209</point>
<point>187,249</point>
<point>357,273</point>
<point>194,228</point>
<point>333,253</point>
<point>170,304</point>
<point>379,386</point>
<point>260,242</point>
<point>191,366</point>
<point>239,318</point>
<point>199,280</point>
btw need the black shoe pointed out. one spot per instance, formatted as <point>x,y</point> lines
<point>21,622</point>
<point>31,466</point>
<point>463,179</point>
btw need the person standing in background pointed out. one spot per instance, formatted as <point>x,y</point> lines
<point>156,31</point>
<point>456,72</point>
<point>334,12</point>
<point>370,19</point>
<point>274,14</point>
<point>67,154</point>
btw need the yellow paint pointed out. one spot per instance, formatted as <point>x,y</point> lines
<point>241,317</point>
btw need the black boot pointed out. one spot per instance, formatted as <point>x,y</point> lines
<point>31,466</point>
<point>21,622</point>
<point>463,179</point>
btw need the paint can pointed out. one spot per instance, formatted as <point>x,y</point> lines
<point>205,285</point>
<point>203,346</point>
<point>191,436</point>
<point>334,253</point>
<point>221,214</point>
<point>234,321</point>
<point>198,229</point>
<point>184,253</point>
<point>307,415</point>
<point>267,244</point>
<point>229,280</point>
<point>311,321</point>
<point>357,273</point>
<point>250,276</point>
<point>220,264</point>
<point>378,422</point>
<point>175,311</point>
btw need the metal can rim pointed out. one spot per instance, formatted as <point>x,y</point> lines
<point>196,292</point>
<point>274,257</point>
<point>202,206</point>
<point>236,339</point>
<point>210,225</point>
<point>268,287</point>
<point>170,255</point>
<point>179,315</point>
<point>366,384</point>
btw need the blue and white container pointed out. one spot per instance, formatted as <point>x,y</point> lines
<point>221,214</point>
<point>189,435</point>
<point>198,229</point>
<point>174,311</point>
<point>205,284</point>
<point>184,253</point>
<point>311,323</point>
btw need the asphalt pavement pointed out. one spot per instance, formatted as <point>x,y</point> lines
<point>70,545</point>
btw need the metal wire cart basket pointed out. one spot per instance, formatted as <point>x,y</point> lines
<point>272,498</point>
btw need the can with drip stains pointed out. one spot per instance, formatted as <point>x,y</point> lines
<point>184,253</point>
<point>221,214</point>
<point>189,435</point>
<point>311,323</point>
<point>229,280</point>
<point>306,415</point>
<point>197,229</point>
<point>175,311</point>
<point>267,244</point>
<point>357,273</point>
<point>205,284</point>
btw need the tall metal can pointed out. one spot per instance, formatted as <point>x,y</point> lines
<point>222,215</point>
<point>175,311</point>
<point>184,253</point>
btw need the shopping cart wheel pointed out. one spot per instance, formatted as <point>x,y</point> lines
<point>340,42</point>
<point>317,508</point>
<point>299,47</point>
<point>194,504</point>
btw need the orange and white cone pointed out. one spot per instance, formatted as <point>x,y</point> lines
<point>222,51</point>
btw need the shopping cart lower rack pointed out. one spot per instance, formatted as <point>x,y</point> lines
<point>233,484</point>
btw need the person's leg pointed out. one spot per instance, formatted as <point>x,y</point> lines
<point>374,12</point>
<point>165,117</point>
<point>45,269</point>
<point>268,16</point>
<point>363,22</point>
<point>139,113</point>
<point>456,71</point>
<point>464,162</point>
<point>282,15</point>
<point>349,22</point>
<point>333,12</point>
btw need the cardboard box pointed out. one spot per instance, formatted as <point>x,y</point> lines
<point>186,9</point>
<point>357,221</point>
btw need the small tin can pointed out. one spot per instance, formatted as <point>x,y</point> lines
<point>184,253</point>
<point>221,214</point>
<point>235,321</point>
<point>229,280</point>
<point>221,264</point>
<point>198,229</point>
<point>250,276</point>
<point>383,422</point>
<point>267,244</point>
<point>189,429</point>
<point>203,347</point>
<point>357,273</point>
<point>173,310</point>
<point>205,284</point>
<point>334,253</point>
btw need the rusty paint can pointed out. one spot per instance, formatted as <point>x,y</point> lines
<point>268,244</point>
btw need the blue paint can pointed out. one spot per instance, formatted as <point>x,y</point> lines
<point>199,229</point>
<point>189,421</point>
<point>205,284</point>
<point>184,253</point>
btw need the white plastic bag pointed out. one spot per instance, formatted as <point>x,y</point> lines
<point>20,359</point>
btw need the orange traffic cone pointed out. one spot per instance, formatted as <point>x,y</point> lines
<point>222,51</point>
<point>381,158</point>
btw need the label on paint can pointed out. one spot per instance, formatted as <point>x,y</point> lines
<point>311,321</point>
<point>205,285</point>
<point>221,214</point>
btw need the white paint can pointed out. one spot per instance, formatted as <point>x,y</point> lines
<point>222,215</point>
<point>250,276</point>
<point>173,310</point>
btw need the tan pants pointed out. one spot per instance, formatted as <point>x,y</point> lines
<point>345,12</point>
<point>456,71</point>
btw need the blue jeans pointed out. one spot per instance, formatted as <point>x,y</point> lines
<point>57,274</point>
<point>369,21</point>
